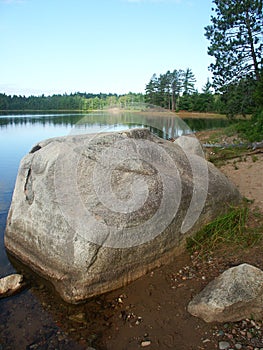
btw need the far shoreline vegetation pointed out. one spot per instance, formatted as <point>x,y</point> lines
<point>188,103</point>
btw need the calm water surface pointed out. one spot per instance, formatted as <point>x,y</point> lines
<point>18,133</point>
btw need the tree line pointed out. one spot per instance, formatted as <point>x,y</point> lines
<point>176,91</point>
<point>173,90</point>
<point>68,102</point>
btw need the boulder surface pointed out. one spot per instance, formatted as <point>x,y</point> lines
<point>235,295</point>
<point>91,213</point>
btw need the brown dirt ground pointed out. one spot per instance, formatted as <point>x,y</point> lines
<point>153,308</point>
<point>248,177</point>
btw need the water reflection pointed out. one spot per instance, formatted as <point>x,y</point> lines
<point>162,124</point>
<point>166,122</point>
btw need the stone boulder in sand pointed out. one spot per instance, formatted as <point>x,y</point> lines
<point>91,213</point>
<point>235,295</point>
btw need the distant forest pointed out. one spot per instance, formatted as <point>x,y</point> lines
<point>68,102</point>
<point>173,90</point>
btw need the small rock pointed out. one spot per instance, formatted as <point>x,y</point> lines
<point>11,284</point>
<point>79,318</point>
<point>232,296</point>
<point>249,335</point>
<point>139,320</point>
<point>238,346</point>
<point>120,301</point>
<point>220,333</point>
<point>224,345</point>
<point>145,343</point>
<point>206,341</point>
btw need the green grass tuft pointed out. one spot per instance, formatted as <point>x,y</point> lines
<point>229,228</point>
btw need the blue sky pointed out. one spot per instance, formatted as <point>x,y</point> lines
<point>63,46</point>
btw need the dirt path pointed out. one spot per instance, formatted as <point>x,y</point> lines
<point>248,177</point>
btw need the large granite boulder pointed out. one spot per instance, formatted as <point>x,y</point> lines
<point>93,212</point>
<point>234,295</point>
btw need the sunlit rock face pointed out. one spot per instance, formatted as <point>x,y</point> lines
<point>234,295</point>
<point>10,285</point>
<point>91,213</point>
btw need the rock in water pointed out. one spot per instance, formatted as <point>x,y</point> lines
<point>235,295</point>
<point>94,212</point>
<point>11,284</point>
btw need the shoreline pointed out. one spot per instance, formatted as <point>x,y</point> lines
<point>180,114</point>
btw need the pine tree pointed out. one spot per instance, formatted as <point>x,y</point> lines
<point>235,40</point>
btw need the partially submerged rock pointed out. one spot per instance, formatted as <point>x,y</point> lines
<point>235,295</point>
<point>10,285</point>
<point>93,212</point>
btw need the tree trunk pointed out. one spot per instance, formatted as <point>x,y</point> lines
<point>252,48</point>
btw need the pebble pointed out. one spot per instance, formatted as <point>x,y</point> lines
<point>238,346</point>
<point>145,343</point>
<point>139,320</point>
<point>220,333</point>
<point>79,318</point>
<point>206,341</point>
<point>224,345</point>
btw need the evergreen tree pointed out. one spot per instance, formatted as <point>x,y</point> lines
<point>189,82</point>
<point>151,90</point>
<point>235,40</point>
<point>176,87</point>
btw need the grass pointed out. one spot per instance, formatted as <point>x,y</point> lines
<point>240,227</point>
<point>227,229</point>
<point>218,156</point>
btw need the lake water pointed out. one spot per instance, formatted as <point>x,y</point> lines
<point>18,133</point>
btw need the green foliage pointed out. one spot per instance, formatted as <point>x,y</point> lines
<point>175,91</point>
<point>78,101</point>
<point>258,93</point>
<point>229,228</point>
<point>220,155</point>
<point>166,90</point>
<point>189,82</point>
<point>238,98</point>
<point>235,36</point>
<point>251,130</point>
<point>235,40</point>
